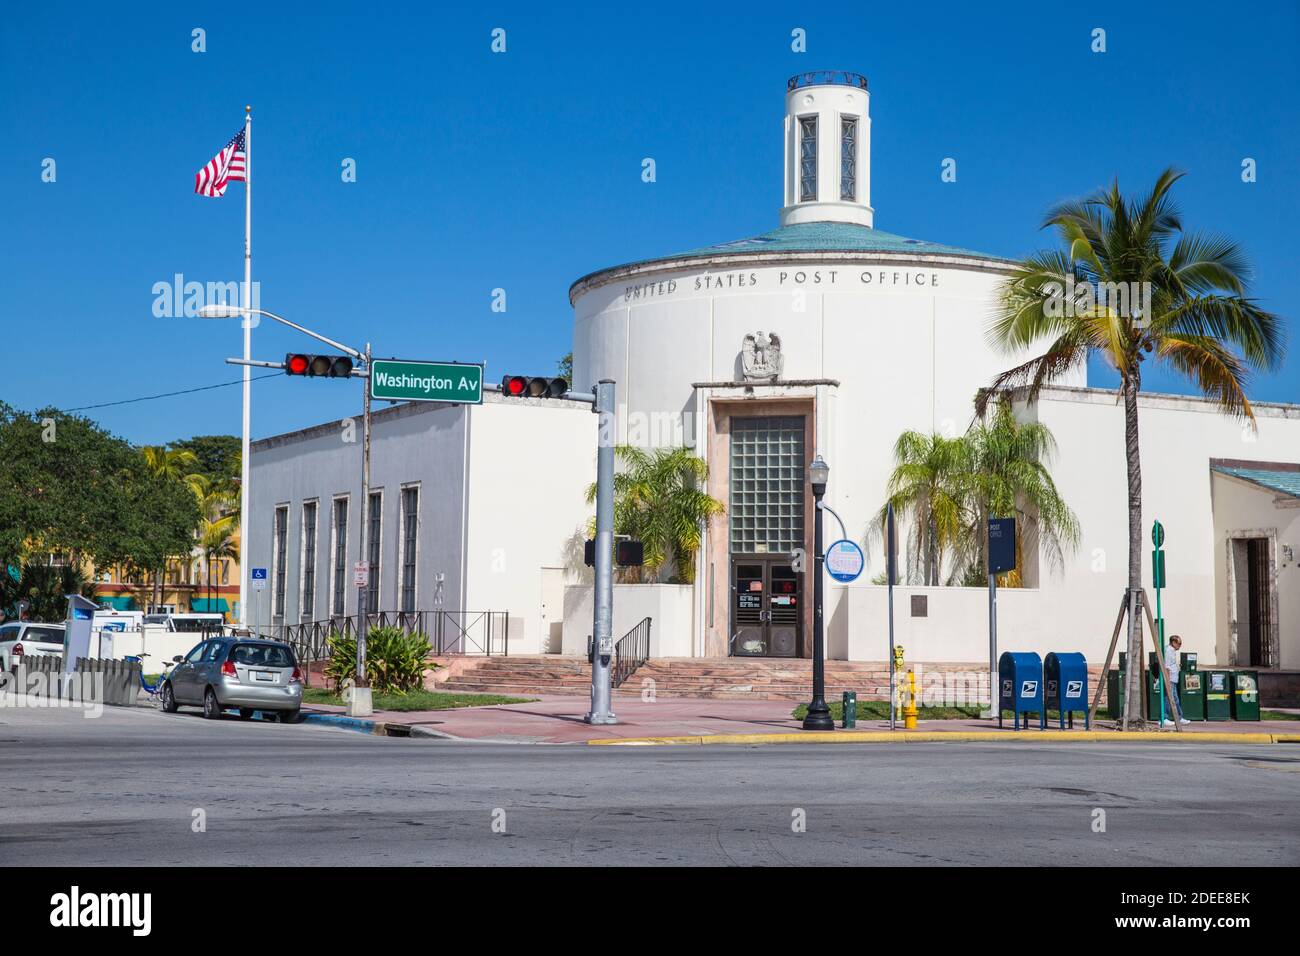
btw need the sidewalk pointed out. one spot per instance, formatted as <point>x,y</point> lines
<point>558,720</point>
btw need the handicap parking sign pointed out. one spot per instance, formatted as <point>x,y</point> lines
<point>259,579</point>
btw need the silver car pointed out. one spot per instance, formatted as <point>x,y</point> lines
<point>246,673</point>
<point>19,639</point>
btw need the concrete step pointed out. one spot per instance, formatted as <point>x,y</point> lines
<point>721,679</point>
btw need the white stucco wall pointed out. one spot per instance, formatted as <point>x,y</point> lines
<point>669,606</point>
<point>528,470</point>
<point>525,462</point>
<point>1243,507</point>
<point>1179,437</point>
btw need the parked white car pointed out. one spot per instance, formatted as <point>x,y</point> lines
<point>19,639</point>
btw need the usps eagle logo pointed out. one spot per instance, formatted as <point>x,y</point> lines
<point>760,357</point>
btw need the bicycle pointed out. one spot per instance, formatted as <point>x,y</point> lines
<point>154,689</point>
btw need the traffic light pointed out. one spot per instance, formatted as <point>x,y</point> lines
<point>317,366</point>
<point>527,386</point>
<point>627,553</point>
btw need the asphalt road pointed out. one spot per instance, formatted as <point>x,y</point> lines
<point>124,788</point>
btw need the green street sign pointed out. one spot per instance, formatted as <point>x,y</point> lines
<point>397,380</point>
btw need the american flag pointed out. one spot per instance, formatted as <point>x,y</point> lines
<point>228,164</point>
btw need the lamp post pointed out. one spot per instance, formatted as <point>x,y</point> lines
<point>819,715</point>
<point>360,705</point>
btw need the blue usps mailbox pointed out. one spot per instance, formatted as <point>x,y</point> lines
<point>1067,686</point>
<point>1020,680</point>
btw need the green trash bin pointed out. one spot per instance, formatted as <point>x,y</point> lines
<point>1191,694</point>
<point>1151,678</point>
<point>1245,695</point>
<point>1114,694</point>
<point>1218,695</point>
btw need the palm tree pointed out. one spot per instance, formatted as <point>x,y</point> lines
<point>926,487</point>
<point>1006,476</point>
<point>181,465</point>
<point>658,501</point>
<point>1129,283</point>
<point>219,524</point>
<point>217,542</point>
<point>173,463</point>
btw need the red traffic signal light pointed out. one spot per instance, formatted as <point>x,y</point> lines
<point>318,366</point>
<point>525,386</point>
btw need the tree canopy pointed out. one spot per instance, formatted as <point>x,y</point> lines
<point>216,456</point>
<point>67,486</point>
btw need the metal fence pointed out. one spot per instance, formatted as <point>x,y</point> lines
<point>485,633</point>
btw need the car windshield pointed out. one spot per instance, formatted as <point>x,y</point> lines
<point>262,655</point>
<point>195,624</point>
<point>44,635</point>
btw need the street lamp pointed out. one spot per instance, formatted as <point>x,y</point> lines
<point>819,715</point>
<point>360,705</point>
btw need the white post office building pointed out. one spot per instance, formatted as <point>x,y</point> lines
<point>823,335</point>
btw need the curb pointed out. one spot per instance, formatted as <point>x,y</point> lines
<point>377,728</point>
<point>345,722</point>
<point>955,736</point>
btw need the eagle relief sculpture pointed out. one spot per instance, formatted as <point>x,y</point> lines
<point>760,357</point>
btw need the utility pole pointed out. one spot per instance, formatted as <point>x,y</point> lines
<point>602,650</point>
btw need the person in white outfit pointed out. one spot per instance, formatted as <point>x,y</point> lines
<point>1171,670</point>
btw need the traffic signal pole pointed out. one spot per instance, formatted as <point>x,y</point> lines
<point>603,403</point>
<point>603,613</point>
<point>362,704</point>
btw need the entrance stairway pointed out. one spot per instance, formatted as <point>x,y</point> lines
<point>715,678</point>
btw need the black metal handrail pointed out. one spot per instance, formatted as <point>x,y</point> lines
<point>631,651</point>
<point>826,78</point>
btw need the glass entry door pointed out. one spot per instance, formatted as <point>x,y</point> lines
<point>767,607</point>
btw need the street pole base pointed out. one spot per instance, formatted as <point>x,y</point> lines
<point>818,717</point>
<point>603,719</point>
<point>360,702</point>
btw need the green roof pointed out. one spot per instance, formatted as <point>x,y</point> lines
<point>829,237</point>
<point>809,237</point>
<point>1283,481</point>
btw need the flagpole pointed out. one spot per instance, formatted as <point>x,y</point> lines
<point>247,292</point>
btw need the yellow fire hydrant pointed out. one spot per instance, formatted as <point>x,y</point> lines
<point>909,709</point>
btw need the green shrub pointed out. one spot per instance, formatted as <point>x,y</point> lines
<point>395,660</point>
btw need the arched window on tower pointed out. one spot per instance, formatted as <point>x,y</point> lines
<point>807,158</point>
<point>849,158</point>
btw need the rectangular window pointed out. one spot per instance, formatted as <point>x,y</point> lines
<point>410,538</point>
<point>849,158</point>
<point>807,158</point>
<point>373,543</point>
<point>278,543</point>
<point>338,606</point>
<point>308,605</point>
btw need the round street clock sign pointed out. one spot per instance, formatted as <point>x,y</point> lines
<point>844,560</point>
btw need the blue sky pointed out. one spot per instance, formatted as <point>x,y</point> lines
<point>522,170</point>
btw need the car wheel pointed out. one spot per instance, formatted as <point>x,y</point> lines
<point>211,709</point>
<point>246,713</point>
<point>168,699</point>
<point>289,716</point>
